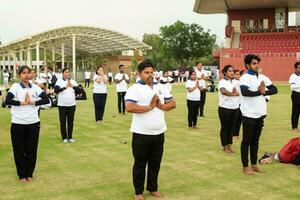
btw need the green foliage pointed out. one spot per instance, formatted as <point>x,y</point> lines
<point>180,45</point>
<point>184,42</point>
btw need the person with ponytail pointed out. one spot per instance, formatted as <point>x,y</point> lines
<point>228,107</point>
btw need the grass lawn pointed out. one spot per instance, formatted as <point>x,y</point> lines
<point>194,167</point>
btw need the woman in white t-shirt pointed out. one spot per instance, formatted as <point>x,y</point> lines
<point>66,88</point>
<point>228,107</point>
<point>99,93</point>
<point>193,88</point>
<point>25,99</point>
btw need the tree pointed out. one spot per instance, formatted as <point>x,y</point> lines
<point>186,42</point>
<point>158,54</point>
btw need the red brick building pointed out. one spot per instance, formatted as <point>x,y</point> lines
<point>259,27</point>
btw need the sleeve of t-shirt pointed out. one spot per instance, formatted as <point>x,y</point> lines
<point>189,84</point>
<point>117,77</point>
<point>13,89</point>
<point>244,82</point>
<point>292,79</point>
<point>221,84</point>
<point>126,77</point>
<point>132,94</point>
<point>58,83</point>
<point>38,90</point>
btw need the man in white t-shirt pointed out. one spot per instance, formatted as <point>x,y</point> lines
<point>87,78</point>
<point>122,80</point>
<point>254,87</point>
<point>294,82</point>
<point>147,101</point>
<point>202,76</point>
<point>5,79</point>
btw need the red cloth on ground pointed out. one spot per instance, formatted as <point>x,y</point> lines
<point>292,149</point>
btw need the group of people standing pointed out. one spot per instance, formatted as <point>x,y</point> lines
<point>247,95</point>
<point>242,100</point>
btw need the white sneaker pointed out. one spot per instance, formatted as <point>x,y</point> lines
<point>71,140</point>
<point>65,141</point>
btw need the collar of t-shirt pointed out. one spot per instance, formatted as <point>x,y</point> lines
<point>252,72</point>
<point>23,86</point>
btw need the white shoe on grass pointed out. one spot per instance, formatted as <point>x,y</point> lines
<point>71,140</point>
<point>65,141</point>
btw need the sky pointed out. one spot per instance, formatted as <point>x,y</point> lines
<point>20,18</point>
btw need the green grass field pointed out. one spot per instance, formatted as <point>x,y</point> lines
<point>194,167</point>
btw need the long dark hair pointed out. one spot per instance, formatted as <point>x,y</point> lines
<point>226,68</point>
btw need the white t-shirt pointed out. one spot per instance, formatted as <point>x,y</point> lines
<point>87,75</point>
<point>295,82</point>
<point>199,75</point>
<point>67,96</point>
<point>122,86</point>
<point>27,114</point>
<point>50,75</point>
<point>237,86</point>
<point>253,107</point>
<point>58,75</point>
<point>195,95</point>
<point>229,102</point>
<point>99,88</point>
<point>5,76</point>
<point>167,83</point>
<point>43,77</point>
<point>151,122</point>
<point>109,74</point>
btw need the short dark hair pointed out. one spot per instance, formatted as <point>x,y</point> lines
<point>226,68</point>
<point>248,59</point>
<point>65,69</point>
<point>198,62</point>
<point>296,64</point>
<point>144,65</point>
<point>22,68</point>
<point>191,72</point>
<point>236,70</point>
<point>4,70</point>
<point>121,66</point>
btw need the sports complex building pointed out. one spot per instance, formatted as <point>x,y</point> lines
<point>260,27</point>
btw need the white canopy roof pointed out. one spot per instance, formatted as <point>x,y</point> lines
<point>88,40</point>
